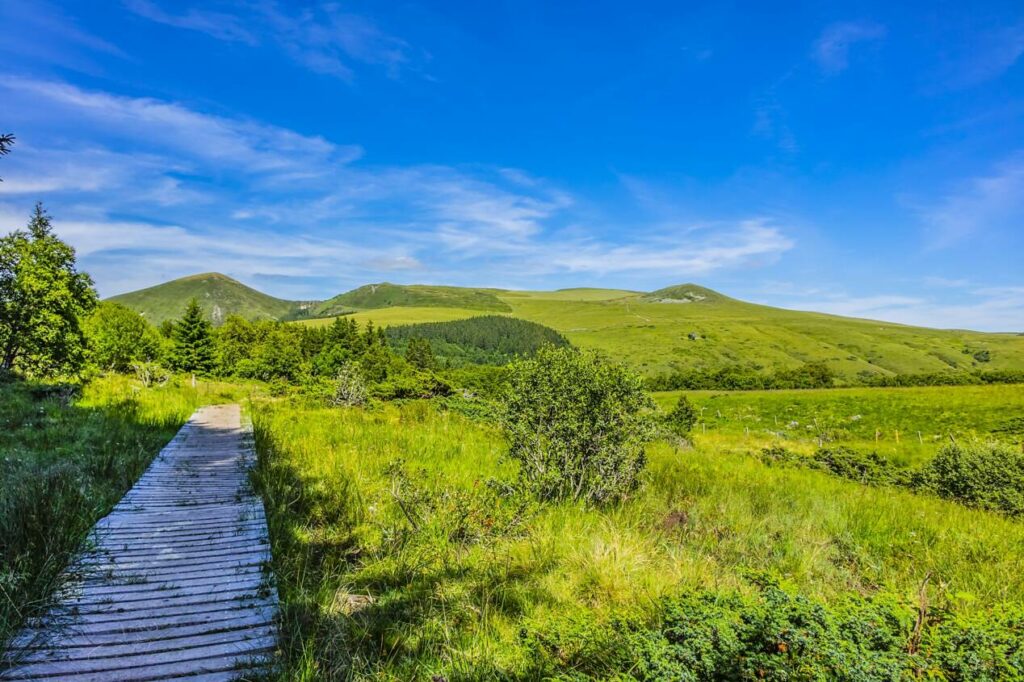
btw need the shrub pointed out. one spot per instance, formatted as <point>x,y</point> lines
<point>776,635</point>
<point>681,419</point>
<point>577,424</point>
<point>986,475</point>
<point>349,387</point>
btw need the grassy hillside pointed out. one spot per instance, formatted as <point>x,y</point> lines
<point>218,294</point>
<point>712,330</point>
<point>676,328</point>
<point>386,295</point>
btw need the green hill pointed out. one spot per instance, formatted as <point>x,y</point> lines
<point>692,327</point>
<point>387,295</point>
<point>219,296</point>
<point>679,327</point>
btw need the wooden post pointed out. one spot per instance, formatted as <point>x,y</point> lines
<point>897,436</point>
<point>919,438</point>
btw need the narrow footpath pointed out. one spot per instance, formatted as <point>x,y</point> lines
<point>175,583</point>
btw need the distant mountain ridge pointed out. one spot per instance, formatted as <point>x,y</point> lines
<point>685,326</point>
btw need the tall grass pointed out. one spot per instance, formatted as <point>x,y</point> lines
<point>67,455</point>
<point>409,571</point>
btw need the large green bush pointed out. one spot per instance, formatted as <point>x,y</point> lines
<point>989,475</point>
<point>577,424</point>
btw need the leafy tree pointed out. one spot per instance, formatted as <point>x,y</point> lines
<point>42,299</point>
<point>577,425</point>
<point>419,354</point>
<point>278,356</point>
<point>193,341</point>
<point>119,338</point>
<point>236,339</point>
<point>681,419</point>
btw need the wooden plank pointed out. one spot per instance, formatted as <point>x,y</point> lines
<point>174,583</point>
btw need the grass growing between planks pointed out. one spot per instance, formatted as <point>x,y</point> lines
<point>399,556</point>
<point>67,455</point>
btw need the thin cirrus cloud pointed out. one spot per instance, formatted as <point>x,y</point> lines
<point>984,205</point>
<point>207,191</point>
<point>319,36</point>
<point>832,48</point>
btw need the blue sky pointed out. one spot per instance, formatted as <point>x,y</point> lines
<point>859,158</point>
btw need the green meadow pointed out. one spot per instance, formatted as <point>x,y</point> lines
<point>396,561</point>
<point>906,425</point>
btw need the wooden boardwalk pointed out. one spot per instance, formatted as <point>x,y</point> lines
<point>176,583</point>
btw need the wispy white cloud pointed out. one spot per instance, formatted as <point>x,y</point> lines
<point>164,190</point>
<point>986,56</point>
<point>980,205</point>
<point>320,36</point>
<point>997,309</point>
<point>832,48</point>
<point>41,32</point>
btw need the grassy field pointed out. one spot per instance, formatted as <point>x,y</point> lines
<point>906,425</point>
<point>385,317</point>
<point>66,457</point>
<point>397,560</point>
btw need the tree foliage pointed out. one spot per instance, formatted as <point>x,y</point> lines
<point>43,297</point>
<point>577,425</point>
<point>419,353</point>
<point>193,341</point>
<point>119,338</point>
<point>681,419</point>
<point>487,339</point>
<point>6,142</point>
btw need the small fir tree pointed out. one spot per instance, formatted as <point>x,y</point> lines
<point>193,341</point>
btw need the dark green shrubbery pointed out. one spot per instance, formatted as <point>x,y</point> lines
<point>775,635</point>
<point>870,468</point>
<point>744,378</point>
<point>986,475</point>
<point>577,425</point>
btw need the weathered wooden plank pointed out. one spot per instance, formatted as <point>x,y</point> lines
<point>174,583</point>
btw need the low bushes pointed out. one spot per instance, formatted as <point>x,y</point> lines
<point>773,634</point>
<point>987,475</point>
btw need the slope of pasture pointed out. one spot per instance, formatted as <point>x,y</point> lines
<point>218,296</point>
<point>386,317</point>
<point>387,295</point>
<point>906,425</point>
<point>654,337</point>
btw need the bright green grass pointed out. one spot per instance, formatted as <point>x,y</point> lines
<point>653,337</point>
<point>385,317</point>
<point>387,295</point>
<point>863,418</point>
<point>439,605</point>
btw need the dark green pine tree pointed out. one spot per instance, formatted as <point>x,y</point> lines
<point>419,354</point>
<point>193,341</point>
